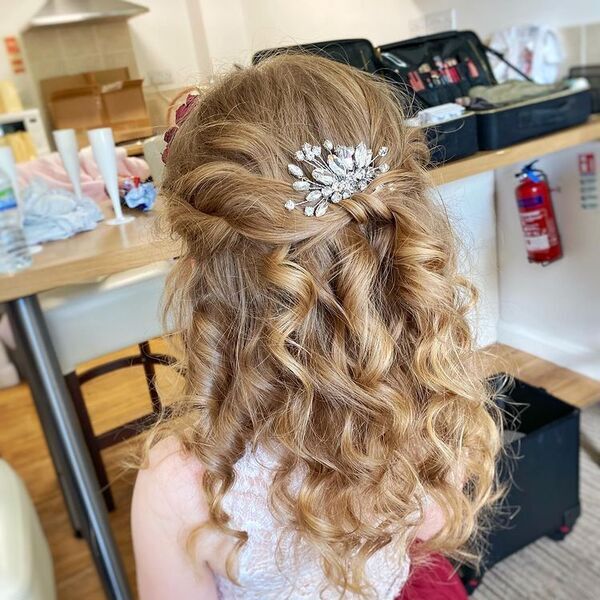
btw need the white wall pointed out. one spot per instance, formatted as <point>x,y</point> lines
<point>193,38</point>
<point>274,23</point>
<point>226,32</point>
<point>552,311</point>
<point>163,41</point>
<point>470,206</point>
<point>235,29</point>
<point>13,20</point>
<point>486,16</point>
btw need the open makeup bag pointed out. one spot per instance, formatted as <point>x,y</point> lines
<point>448,139</point>
<point>444,67</point>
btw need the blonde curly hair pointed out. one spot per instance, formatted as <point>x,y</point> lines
<point>341,342</point>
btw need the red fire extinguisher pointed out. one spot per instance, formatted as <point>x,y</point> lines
<point>538,222</point>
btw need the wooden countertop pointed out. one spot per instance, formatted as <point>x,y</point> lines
<point>490,159</point>
<point>493,159</point>
<point>109,249</point>
<point>134,148</point>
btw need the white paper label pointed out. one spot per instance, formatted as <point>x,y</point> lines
<point>539,242</point>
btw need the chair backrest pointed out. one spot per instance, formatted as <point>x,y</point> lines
<point>153,149</point>
<point>87,321</point>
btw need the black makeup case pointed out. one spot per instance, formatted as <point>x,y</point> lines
<point>540,469</point>
<point>447,140</point>
<point>442,67</point>
<point>592,74</point>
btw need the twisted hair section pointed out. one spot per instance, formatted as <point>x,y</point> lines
<point>341,343</point>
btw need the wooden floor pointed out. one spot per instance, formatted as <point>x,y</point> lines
<point>122,395</point>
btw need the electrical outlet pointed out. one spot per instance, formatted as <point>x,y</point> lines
<point>443,20</point>
<point>160,77</point>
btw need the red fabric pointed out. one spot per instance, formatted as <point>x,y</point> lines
<point>434,581</point>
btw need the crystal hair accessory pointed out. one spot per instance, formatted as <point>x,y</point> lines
<point>329,179</point>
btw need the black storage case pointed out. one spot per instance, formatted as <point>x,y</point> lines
<point>592,74</point>
<point>498,127</point>
<point>543,479</point>
<point>447,141</point>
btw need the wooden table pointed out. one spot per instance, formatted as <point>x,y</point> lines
<point>89,256</point>
<point>107,250</point>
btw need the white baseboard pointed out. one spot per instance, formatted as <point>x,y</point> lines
<point>580,359</point>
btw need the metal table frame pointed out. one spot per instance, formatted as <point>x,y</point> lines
<point>66,444</point>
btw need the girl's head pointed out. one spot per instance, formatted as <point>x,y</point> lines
<point>338,342</point>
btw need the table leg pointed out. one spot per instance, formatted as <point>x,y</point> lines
<point>65,482</point>
<point>63,429</point>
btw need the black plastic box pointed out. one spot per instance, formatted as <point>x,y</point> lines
<point>453,139</point>
<point>502,127</point>
<point>497,127</point>
<point>357,52</point>
<point>447,141</point>
<point>543,497</point>
<point>592,74</point>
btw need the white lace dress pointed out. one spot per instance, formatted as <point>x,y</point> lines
<point>262,572</point>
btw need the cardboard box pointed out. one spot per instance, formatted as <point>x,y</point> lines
<point>125,109</point>
<point>107,98</point>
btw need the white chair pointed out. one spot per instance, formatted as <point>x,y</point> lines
<point>153,149</point>
<point>26,571</point>
<point>89,321</point>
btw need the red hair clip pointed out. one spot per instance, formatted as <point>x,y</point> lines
<point>180,115</point>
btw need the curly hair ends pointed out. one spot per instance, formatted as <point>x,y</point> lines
<point>341,343</point>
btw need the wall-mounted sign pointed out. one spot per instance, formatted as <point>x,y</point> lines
<point>13,49</point>
<point>588,181</point>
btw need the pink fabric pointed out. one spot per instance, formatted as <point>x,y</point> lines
<point>50,168</point>
<point>434,581</point>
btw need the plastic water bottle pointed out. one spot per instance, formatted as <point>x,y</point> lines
<point>14,253</point>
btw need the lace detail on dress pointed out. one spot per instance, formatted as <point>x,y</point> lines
<point>271,565</point>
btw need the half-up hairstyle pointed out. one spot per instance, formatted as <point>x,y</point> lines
<point>341,343</point>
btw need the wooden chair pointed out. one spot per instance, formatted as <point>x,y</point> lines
<point>92,320</point>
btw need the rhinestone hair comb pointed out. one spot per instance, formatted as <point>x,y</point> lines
<point>343,172</point>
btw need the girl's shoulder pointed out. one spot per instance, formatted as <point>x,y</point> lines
<point>168,457</point>
<point>168,503</point>
<point>170,483</point>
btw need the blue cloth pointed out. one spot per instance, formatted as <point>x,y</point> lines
<point>143,196</point>
<point>56,213</point>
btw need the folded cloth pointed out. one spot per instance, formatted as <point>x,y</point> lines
<point>50,168</point>
<point>137,194</point>
<point>56,213</point>
<point>514,91</point>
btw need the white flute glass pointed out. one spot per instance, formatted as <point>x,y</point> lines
<point>9,167</point>
<point>66,144</point>
<point>103,147</point>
